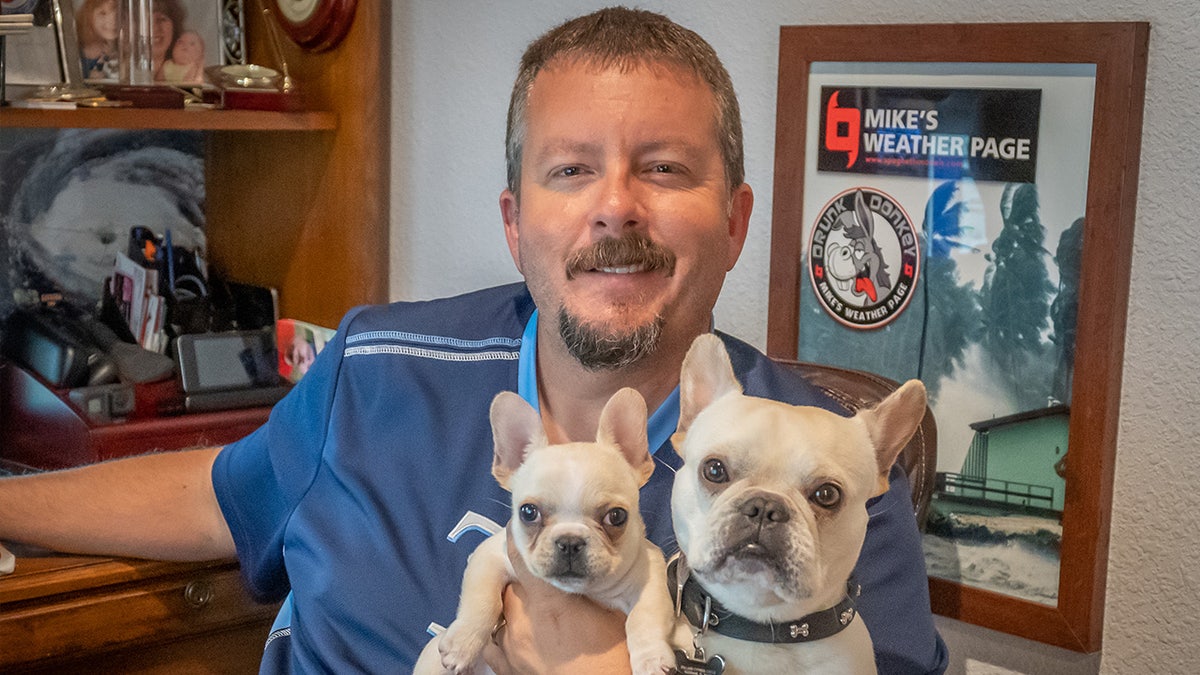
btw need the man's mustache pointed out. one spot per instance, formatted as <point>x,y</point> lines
<point>631,250</point>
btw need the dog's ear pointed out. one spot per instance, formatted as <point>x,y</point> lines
<point>516,429</point>
<point>891,423</point>
<point>623,424</point>
<point>706,376</point>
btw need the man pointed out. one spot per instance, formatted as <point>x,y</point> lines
<point>370,485</point>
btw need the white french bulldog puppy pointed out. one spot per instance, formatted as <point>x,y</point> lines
<point>575,524</point>
<point>770,514</point>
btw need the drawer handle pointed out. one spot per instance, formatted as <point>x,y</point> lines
<point>198,593</point>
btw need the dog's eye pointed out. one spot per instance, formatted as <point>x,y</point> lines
<point>714,471</point>
<point>529,513</point>
<point>616,517</point>
<point>827,496</point>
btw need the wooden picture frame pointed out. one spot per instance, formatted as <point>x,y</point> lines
<point>1118,52</point>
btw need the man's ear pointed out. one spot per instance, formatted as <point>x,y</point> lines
<point>740,207</point>
<point>516,431</point>
<point>510,213</point>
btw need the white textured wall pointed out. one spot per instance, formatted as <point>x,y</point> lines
<point>454,61</point>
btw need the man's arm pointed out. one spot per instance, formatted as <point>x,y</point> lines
<point>895,594</point>
<point>158,506</point>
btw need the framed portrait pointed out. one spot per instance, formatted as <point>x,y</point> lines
<point>955,203</point>
<point>169,42</point>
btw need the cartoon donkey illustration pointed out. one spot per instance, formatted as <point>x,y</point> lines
<point>858,267</point>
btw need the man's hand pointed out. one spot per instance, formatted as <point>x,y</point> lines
<point>549,631</point>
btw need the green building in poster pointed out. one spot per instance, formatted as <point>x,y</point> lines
<point>1015,460</point>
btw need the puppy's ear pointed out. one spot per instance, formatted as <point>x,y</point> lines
<point>706,376</point>
<point>891,423</point>
<point>623,424</point>
<point>516,429</point>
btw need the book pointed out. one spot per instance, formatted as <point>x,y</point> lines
<point>134,287</point>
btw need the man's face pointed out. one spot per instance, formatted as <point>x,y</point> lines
<point>625,219</point>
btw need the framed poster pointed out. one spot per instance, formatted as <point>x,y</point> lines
<point>955,203</point>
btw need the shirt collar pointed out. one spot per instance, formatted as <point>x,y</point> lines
<point>662,422</point>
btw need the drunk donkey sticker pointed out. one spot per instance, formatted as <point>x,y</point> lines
<point>863,258</point>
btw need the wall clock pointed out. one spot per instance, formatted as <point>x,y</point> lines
<point>315,25</point>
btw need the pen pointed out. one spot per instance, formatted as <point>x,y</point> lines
<point>170,261</point>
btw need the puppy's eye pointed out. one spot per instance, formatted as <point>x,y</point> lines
<point>827,496</point>
<point>529,513</point>
<point>616,517</point>
<point>714,471</point>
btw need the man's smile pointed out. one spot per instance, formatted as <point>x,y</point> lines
<point>630,254</point>
<point>627,269</point>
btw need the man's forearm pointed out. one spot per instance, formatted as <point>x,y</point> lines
<point>159,505</point>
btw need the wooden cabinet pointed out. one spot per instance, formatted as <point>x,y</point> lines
<point>296,201</point>
<point>66,614</point>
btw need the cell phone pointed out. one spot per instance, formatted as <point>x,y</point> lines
<point>227,361</point>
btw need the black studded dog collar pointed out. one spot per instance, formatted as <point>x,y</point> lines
<point>691,598</point>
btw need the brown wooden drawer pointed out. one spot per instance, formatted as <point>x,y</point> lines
<point>65,610</point>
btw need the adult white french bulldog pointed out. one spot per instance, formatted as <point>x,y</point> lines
<point>770,514</point>
<point>576,525</point>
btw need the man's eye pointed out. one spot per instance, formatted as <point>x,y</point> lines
<point>666,168</point>
<point>570,171</point>
<point>529,513</point>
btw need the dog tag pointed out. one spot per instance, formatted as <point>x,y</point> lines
<point>685,665</point>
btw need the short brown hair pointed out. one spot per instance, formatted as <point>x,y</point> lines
<point>626,38</point>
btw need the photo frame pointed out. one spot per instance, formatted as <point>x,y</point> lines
<point>1048,119</point>
<point>32,58</point>
<point>202,33</point>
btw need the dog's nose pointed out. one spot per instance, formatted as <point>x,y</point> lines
<point>570,546</point>
<point>764,511</point>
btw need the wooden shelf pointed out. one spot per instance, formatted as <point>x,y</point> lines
<point>155,118</point>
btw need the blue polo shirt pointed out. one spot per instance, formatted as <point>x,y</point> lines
<point>364,493</point>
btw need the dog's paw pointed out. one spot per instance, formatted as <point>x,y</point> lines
<point>460,649</point>
<point>656,661</point>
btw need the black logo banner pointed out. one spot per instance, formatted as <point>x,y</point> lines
<point>985,134</point>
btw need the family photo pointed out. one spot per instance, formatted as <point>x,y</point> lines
<point>172,41</point>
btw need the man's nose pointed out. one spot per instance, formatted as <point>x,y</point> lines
<point>619,203</point>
